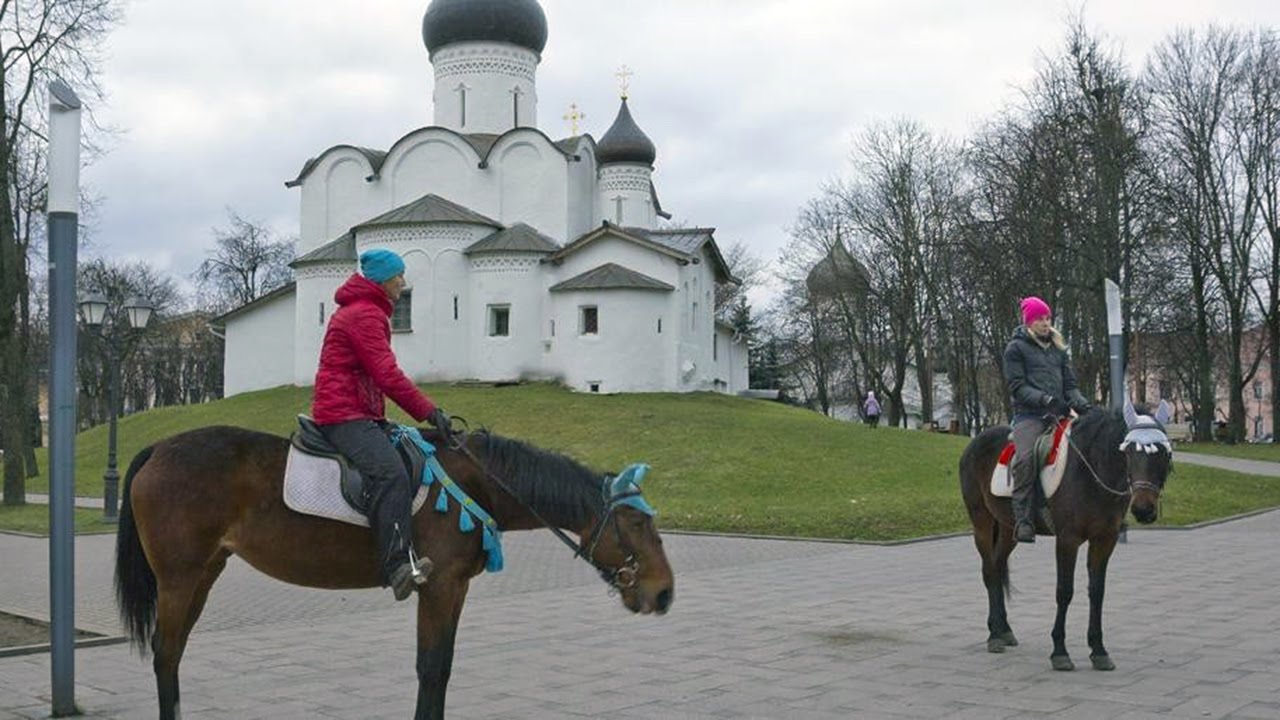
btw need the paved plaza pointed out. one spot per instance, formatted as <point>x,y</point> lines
<point>760,628</point>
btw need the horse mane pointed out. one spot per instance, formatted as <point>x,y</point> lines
<point>561,489</point>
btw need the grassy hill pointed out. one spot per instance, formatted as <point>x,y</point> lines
<point>719,463</point>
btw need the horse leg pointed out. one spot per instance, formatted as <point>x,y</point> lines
<point>1067,550</point>
<point>179,604</point>
<point>1099,555</point>
<point>1004,547</point>
<point>439,609</point>
<point>987,536</point>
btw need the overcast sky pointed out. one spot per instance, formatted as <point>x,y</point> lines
<point>751,103</point>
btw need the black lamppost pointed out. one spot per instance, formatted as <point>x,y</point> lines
<point>112,330</point>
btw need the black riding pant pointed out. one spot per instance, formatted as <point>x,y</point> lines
<point>1022,468</point>
<point>387,487</point>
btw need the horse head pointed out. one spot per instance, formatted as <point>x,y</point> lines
<point>1148,458</point>
<point>623,543</point>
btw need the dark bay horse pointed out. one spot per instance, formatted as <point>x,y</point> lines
<point>1118,461</point>
<point>193,500</point>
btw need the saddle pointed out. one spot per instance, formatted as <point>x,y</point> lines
<point>1050,458</point>
<point>309,440</point>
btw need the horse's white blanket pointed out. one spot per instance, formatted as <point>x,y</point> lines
<point>1050,475</point>
<point>312,486</point>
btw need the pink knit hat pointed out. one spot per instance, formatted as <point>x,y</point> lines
<point>1033,308</point>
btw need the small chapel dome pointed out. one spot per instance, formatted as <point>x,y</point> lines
<point>519,22</point>
<point>625,142</point>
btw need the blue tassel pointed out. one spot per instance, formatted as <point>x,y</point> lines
<point>442,501</point>
<point>465,523</point>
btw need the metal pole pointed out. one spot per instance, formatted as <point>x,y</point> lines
<point>111,479</point>
<point>1115,339</point>
<point>63,219</point>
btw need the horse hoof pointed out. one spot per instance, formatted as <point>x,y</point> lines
<point>1008,639</point>
<point>1102,662</point>
<point>1062,662</point>
<point>995,645</point>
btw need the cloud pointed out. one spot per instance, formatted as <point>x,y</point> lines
<point>751,103</point>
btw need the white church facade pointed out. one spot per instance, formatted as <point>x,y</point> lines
<point>526,258</point>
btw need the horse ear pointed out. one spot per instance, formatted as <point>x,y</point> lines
<point>1130,415</point>
<point>632,475</point>
<point>1163,413</point>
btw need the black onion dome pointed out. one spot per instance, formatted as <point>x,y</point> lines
<point>625,142</point>
<point>519,22</point>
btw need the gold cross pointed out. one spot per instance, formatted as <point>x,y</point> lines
<point>624,76</point>
<point>573,116</point>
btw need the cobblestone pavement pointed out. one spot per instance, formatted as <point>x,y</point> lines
<point>760,628</point>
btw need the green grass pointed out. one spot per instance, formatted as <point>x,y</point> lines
<point>34,519</point>
<point>719,463</point>
<point>1261,451</point>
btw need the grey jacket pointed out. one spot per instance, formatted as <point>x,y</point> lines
<point>1036,374</point>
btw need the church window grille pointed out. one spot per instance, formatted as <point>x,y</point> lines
<point>402,313</point>
<point>499,320</point>
<point>590,320</point>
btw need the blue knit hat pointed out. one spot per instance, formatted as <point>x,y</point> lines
<point>380,265</point>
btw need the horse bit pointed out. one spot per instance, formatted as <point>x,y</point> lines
<point>623,577</point>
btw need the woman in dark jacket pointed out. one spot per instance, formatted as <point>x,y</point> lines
<point>1038,372</point>
<point>357,369</point>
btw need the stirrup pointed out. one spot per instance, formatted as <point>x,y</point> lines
<point>419,568</point>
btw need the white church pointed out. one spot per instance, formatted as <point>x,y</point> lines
<point>526,258</point>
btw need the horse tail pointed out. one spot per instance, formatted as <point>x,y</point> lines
<point>135,580</point>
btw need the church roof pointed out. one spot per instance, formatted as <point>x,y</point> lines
<point>481,143</point>
<point>286,289</point>
<point>341,250</point>
<point>625,142</point>
<point>611,277</point>
<point>517,238</point>
<point>519,22</point>
<point>430,208</point>
<point>684,244</point>
<point>837,272</point>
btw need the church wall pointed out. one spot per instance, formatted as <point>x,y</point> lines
<point>532,181</point>
<point>729,359</point>
<point>334,197</point>
<point>489,76</point>
<point>513,281</point>
<point>259,347</point>
<point>696,289</point>
<point>581,196</point>
<point>627,354</point>
<point>436,347</point>
<point>435,162</point>
<point>315,286</point>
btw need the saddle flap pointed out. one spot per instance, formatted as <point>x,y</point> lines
<point>308,440</point>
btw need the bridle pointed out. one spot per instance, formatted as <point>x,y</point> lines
<point>1131,484</point>
<point>622,577</point>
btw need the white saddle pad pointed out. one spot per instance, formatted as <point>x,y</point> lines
<point>312,486</point>
<point>1050,475</point>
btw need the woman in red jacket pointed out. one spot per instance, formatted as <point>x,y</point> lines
<point>357,369</point>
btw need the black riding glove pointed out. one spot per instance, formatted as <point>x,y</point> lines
<point>1055,407</point>
<point>440,420</point>
<point>1081,407</point>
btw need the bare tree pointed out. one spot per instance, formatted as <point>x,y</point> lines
<point>247,261</point>
<point>40,40</point>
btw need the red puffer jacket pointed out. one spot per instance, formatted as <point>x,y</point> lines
<point>357,366</point>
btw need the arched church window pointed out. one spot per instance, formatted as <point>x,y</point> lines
<point>516,92</point>
<point>455,307</point>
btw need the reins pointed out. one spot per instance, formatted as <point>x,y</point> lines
<point>621,577</point>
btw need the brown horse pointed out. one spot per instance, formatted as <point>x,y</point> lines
<point>1117,462</point>
<point>193,500</point>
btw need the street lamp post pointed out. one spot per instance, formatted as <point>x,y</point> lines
<point>137,312</point>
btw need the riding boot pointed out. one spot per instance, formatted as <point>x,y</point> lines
<point>402,569</point>
<point>1024,503</point>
